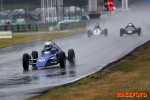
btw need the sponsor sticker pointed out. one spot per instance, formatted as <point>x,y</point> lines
<point>5,34</point>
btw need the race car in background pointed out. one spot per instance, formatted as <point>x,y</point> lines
<point>130,30</point>
<point>48,58</point>
<point>97,31</point>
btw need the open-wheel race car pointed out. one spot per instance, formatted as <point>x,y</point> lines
<point>130,30</point>
<point>97,31</point>
<point>50,55</point>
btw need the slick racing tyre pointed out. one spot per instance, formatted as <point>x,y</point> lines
<point>25,61</point>
<point>121,32</point>
<point>89,33</point>
<point>139,31</point>
<point>34,55</point>
<point>71,57</point>
<point>105,32</point>
<point>62,59</point>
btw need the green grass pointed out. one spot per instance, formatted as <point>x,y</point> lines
<point>28,37</point>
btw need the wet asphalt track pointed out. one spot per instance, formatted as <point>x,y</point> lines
<point>91,55</point>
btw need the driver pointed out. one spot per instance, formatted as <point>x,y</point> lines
<point>130,25</point>
<point>48,46</point>
<point>97,26</point>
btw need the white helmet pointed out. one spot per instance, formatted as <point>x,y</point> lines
<point>48,45</point>
<point>130,24</point>
<point>97,24</point>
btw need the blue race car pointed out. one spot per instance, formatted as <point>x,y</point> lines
<point>48,58</point>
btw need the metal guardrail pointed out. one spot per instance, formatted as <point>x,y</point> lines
<point>19,27</point>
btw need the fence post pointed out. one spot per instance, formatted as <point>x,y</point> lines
<point>11,27</point>
<point>5,27</point>
<point>24,27</point>
<point>18,27</point>
<point>37,26</point>
<point>29,27</point>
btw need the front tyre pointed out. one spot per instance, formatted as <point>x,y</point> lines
<point>62,59</point>
<point>71,57</point>
<point>25,61</point>
<point>34,55</point>
<point>139,31</point>
<point>89,33</point>
<point>121,32</point>
<point>105,32</point>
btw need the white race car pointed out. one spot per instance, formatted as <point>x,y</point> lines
<point>97,31</point>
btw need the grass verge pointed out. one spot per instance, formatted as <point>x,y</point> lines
<point>131,74</point>
<point>26,37</point>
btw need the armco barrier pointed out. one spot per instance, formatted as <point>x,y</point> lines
<point>19,27</point>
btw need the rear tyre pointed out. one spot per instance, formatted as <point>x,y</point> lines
<point>105,32</point>
<point>62,59</point>
<point>25,61</point>
<point>89,33</point>
<point>34,56</point>
<point>121,32</point>
<point>71,57</point>
<point>139,31</point>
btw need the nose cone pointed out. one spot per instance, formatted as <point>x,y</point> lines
<point>41,62</point>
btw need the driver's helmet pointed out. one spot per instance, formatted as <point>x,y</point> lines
<point>48,45</point>
<point>130,24</point>
<point>97,24</point>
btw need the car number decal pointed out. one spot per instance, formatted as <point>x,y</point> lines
<point>41,60</point>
